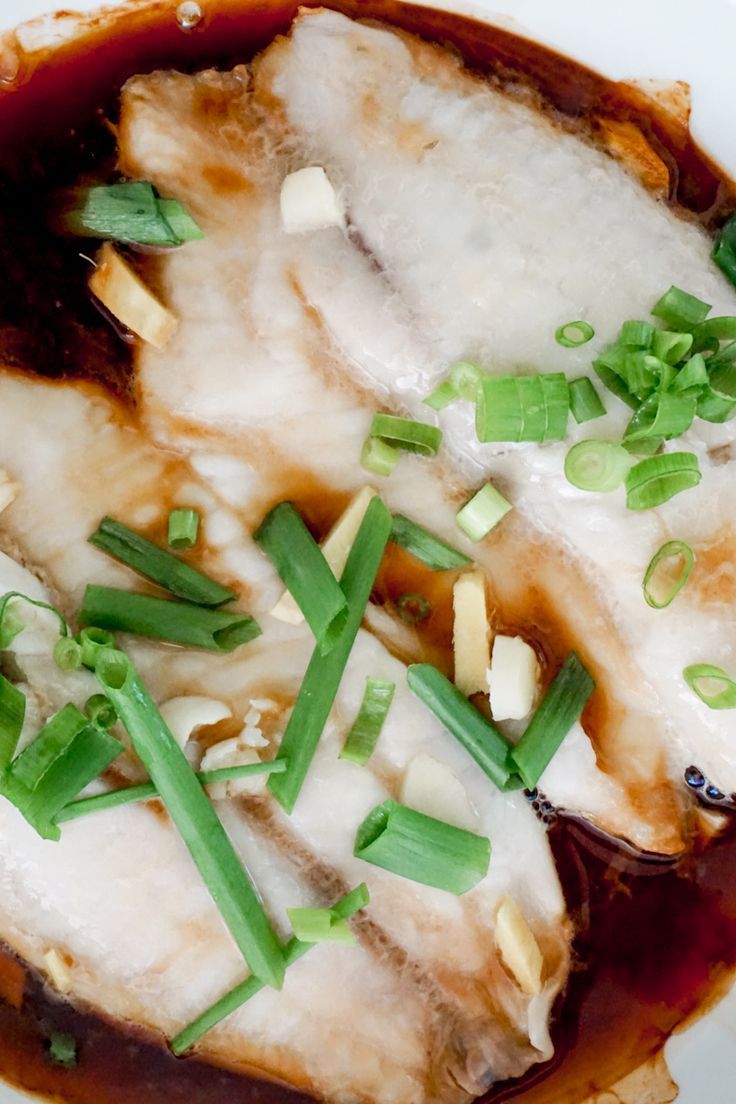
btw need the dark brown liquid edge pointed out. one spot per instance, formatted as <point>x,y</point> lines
<point>655,941</point>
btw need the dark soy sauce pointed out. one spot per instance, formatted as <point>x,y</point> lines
<point>656,940</point>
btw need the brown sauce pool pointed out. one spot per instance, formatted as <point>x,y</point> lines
<point>656,939</point>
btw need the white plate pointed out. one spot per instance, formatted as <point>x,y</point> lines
<point>691,40</point>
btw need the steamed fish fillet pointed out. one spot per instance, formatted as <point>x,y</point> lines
<point>314,409</point>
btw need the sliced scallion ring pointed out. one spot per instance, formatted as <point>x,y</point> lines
<point>574,334</point>
<point>443,394</point>
<point>585,402</point>
<point>183,528</point>
<point>657,479</point>
<point>465,378</point>
<point>67,654</point>
<point>597,465</point>
<point>413,608</point>
<point>638,335</point>
<point>363,736</point>
<point>407,434</point>
<point>671,346</point>
<point>378,456</point>
<point>680,310</point>
<point>668,571</point>
<point>712,685</point>
<point>483,512</point>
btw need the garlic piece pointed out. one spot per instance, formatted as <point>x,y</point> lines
<point>121,290</point>
<point>309,202</point>
<point>186,714</point>
<point>512,679</point>
<point>58,971</point>
<point>518,948</point>
<point>470,633</point>
<point>430,787</point>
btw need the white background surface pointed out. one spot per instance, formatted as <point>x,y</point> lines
<point>692,40</point>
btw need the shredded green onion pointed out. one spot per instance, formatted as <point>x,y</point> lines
<point>303,569</point>
<point>161,619</point>
<point>68,653</point>
<point>187,805</point>
<point>522,408</point>
<point>183,528</point>
<point>363,736</point>
<point>585,402</point>
<point>483,742</point>
<point>661,583</point>
<point>344,909</point>
<point>596,465</point>
<point>158,565</point>
<point>378,456</point>
<point>407,434</point>
<point>679,310</point>
<point>574,334</point>
<point>559,710</point>
<point>413,608</point>
<point>482,512</point>
<point>324,674</point>
<point>131,212</point>
<point>319,925</point>
<point>12,715</point>
<point>712,685</point>
<point>428,549</point>
<point>657,479</point>
<point>422,849</point>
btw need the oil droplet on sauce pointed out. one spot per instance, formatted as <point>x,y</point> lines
<point>188,15</point>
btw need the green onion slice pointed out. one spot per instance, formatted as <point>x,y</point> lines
<point>363,736</point>
<point>724,251</point>
<point>428,549</point>
<point>522,408</point>
<point>609,367</point>
<point>48,746</point>
<point>709,334</point>
<point>669,569</point>
<point>92,641</point>
<point>405,433</point>
<point>344,909</point>
<point>303,569</point>
<point>158,565</point>
<point>12,715</point>
<point>116,799</point>
<point>657,479</point>
<point>679,310</point>
<point>637,335</point>
<point>160,619</point>
<point>712,685</point>
<point>68,654</point>
<point>574,334</point>
<point>647,446</point>
<point>664,415</point>
<point>422,849</point>
<point>560,708</point>
<point>183,528</point>
<point>180,221</point>
<point>465,379</point>
<point>131,212</point>
<point>482,512</point>
<point>11,625</point>
<point>692,374</point>
<point>670,346</point>
<point>187,805</point>
<point>597,465</point>
<point>413,608</point>
<point>443,394</point>
<point>585,402</point>
<point>100,711</point>
<point>378,456</point>
<point>324,673</point>
<point>483,742</point>
<point>319,925</point>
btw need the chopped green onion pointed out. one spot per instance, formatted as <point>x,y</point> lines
<point>657,479</point>
<point>405,433</point>
<point>344,909</point>
<point>317,925</point>
<point>324,674</point>
<point>11,625</point>
<point>666,375</point>
<point>303,569</point>
<point>724,251</point>
<point>443,394</point>
<point>100,711</point>
<point>522,408</point>
<point>640,372</point>
<point>428,549</point>
<point>378,456</point>
<point>422,849</point>
<point>188,806</point>
<point>609,367</point>
<point>116,799</point>
<point>49,745</point>
<point>63,1049</point>
<point>413,608</point>
<point>585,402</point>
<point>670,346</point>
<point>638,335</point>
<point>596,465</point>
<point>176,622</point>
<point>647,446</point>
<point>363,736</point>
<point>183,528</point>
<point>712,685</point>
<point>478,736</point>
<point>131,212</point>
<point>660,585</point>
<point>562,705</point>
<point>12,715</point>
<point>574,334</point>
<point>466,379</point>
<point>717,401</point>
<point>68,654</point>
<point>158,565</point>
<point>710,334</point>
<point>482,512</point>
<point>92,641</point>
<point>680,310</point>
<point>692,374</point>
<point>663,416</point>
